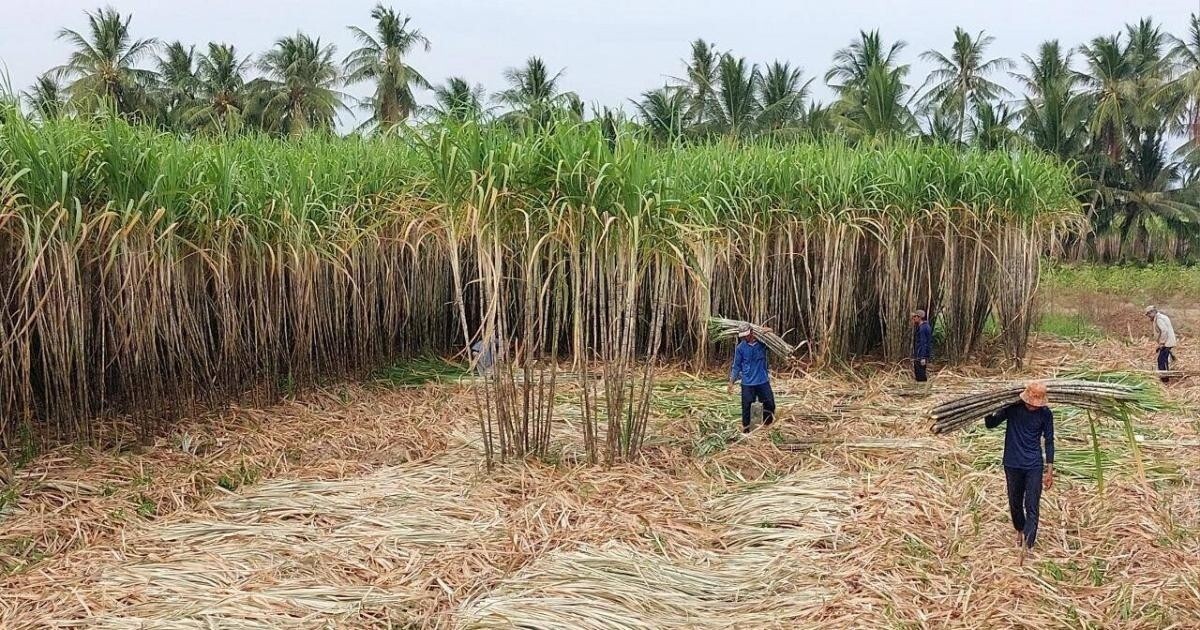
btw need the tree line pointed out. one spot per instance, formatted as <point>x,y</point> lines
<point>1124,108</point>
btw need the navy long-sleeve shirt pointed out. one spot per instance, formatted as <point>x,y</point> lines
<point>749,364</point>
<point>1024,435</point>
<point>923,341</point>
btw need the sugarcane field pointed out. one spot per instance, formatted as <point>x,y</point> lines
<point>296,337</point>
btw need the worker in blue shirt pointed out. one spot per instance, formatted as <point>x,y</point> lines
<point>1030,422</point>
<point>750,367</point>
<point>922,345</point>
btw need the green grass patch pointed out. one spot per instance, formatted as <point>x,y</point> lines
<point>1068,326</point>
<point>9,496</point>
<point>713,435</point>
<point>22,552</point>
<point>241,476</point>
<point>1148,282</point>
<point>419,371</point>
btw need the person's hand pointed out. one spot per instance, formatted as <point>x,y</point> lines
<point>922,362</point>
<point>730,387</point>
<point>1048,479</point>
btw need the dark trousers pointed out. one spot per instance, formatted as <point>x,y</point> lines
<point>1164,361</point>
<point>920,372</point>
<point>1024,497</point>
<point>762,393</point>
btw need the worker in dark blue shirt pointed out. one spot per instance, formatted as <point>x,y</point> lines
<point>750,367</point>
<point>922,345</point>
<point>1026,471</point>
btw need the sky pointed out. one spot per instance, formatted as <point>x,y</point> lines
<point>611,50</point>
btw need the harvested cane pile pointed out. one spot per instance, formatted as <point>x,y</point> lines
<point>1105,397</point>
<point>721,327</point>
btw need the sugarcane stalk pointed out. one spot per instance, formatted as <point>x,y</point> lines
<point>1116,399</point>
<point>1096,451</point>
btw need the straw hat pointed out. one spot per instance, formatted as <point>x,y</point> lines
<point>1150,310</point>
<point>1034,394</point>
<point>743,330</point>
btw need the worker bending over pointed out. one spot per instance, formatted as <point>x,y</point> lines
<point>1164,334</point>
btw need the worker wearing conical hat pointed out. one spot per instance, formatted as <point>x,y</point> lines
<point>750,367</point>
<point>1026,470</point>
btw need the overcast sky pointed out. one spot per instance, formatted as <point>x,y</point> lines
<point>612,50</point>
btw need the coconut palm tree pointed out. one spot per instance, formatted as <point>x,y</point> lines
<point>665,112</point>
<point>102,66</point>
<point>299,92</point>
<point>1185,63</point>
<point>221,93</point>
<point>1109,83</point>
<point>533,94</point>
<point>1143,194</point>
<point>852,65</point>
<point>1138,183</point>
<point>383,59</point>
<point>737,106</point>
<point>959,82</point>
<point>993,126</point>
<point>1049,72</point>
<point>1053,114</point>
<point>782,95</point>
<point>458,100</point>
<point>941,127</point>
<point>176,83</point>
<point>45,97</point>
<point>870,82</point>
<point>879,107</point>
<point>819,120</point>
<point>700,82</point>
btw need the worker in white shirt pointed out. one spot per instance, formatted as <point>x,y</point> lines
<point>1164,333</point>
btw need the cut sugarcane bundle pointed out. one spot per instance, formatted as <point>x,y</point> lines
<point>1111,398</point>
<point>722,327</point>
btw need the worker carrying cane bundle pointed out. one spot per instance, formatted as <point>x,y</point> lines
<point>1026,470</point>
<point>750,367</point>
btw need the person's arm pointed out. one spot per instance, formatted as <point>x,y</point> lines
<point>737,364</point>
<point>1048,435</point>
<point>926,338</point>
<point>994,420</point>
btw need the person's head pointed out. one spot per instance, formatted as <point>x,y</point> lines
<point>1034,395</point>
<point>917,317</point>
<point>746,333</point>
<point>1151,311</point>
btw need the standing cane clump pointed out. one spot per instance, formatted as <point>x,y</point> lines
<point>142,273</point>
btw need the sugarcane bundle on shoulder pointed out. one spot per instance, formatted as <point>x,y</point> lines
<point>721,327</point>
<point>1095,395</point>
